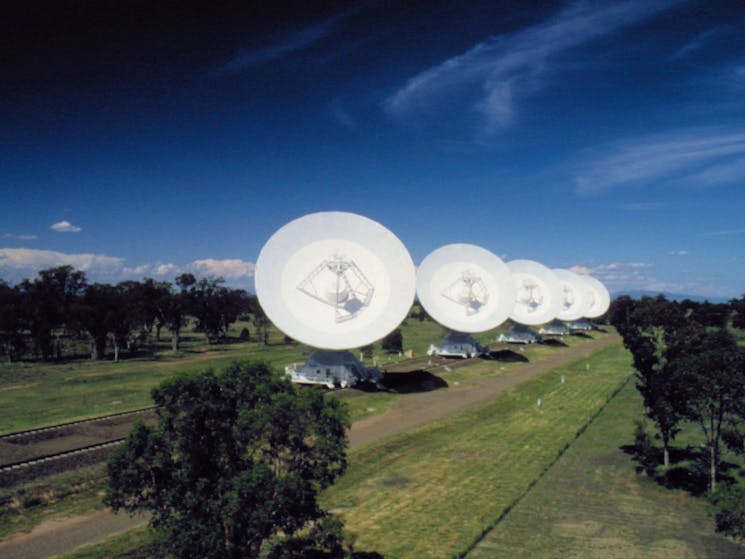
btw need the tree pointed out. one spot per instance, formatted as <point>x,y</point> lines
<point>262,323</point>
<point>649,328</point>
<point>215,306</point>
<point>729,510</point>
<point>11,321</point>
<point>235,459</point>
<point>51,303</point>
<point>659,390</point>
<point>104,315</point>
<point>712,382</point>
<point>738,305</point>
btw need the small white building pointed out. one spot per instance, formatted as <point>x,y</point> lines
<point>333,369</point>
<point>458,344</point>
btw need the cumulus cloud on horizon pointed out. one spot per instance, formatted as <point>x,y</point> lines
<point>17,264</point>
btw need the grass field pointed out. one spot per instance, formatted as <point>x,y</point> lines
<point>593,504</point>
<point>433,491</point>
<point>34,394</point>
<point>519,476</point>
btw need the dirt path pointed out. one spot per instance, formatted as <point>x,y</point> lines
<point>59,537</point>
<point>417,409</point>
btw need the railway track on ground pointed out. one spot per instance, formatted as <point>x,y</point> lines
<point>29,454</point>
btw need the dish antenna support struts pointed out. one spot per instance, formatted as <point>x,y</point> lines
<point>467,289</point>
<point>335,281</point>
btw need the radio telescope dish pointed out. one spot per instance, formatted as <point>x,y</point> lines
<point>335,280</point>
<point>537,296</point>
<point>598,296</point>
<point>573,298</point>
<point>465,288</point>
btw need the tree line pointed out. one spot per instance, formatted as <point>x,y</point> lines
<point>689,369</point>
<point>38,314</point>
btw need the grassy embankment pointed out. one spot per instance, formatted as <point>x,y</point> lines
<point>593,503</point>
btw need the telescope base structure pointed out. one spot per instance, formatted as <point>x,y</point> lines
<point>458,344</point>
<point>555,328</point>
<point>520,334</point>
<point>333,369</point>
<point>582,325</point>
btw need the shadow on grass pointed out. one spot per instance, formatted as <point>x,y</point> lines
<point>688,470</point>
<point>553,342</point>
<point>507,356</point>
<point>582,335</point>
<point>414,381</point>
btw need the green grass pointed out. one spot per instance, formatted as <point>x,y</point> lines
<point>132,544</point>
<point>35,394</point>
<point>593,504</point>
<point>433,491</point>
<point>69,494</point>
<point>521,470</point>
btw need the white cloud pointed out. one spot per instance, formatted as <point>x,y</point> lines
<point>678,253</point>
<point>507,67</point>
<point>724,233</point>
<point>582,270</point>
<point>290,43</point>
<point>231,268</point>
<point>65,227</point>
<point>699,41</point>
<point>25,262</point>
<point>642,206</point>
<point>20,237</point>
<point>17,264</point>
<point>690,157</point>
<point>167,269</point>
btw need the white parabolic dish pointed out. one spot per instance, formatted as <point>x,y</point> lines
<point>599,297</point>
<point>335,280</point>
<point>537,297</point>
<point>574,299</point>
<point>465,288</point>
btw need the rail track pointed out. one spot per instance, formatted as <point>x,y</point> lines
<point>29,454</point>
<point>26,455</point>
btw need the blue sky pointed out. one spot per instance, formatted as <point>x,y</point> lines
<point>144,139</point>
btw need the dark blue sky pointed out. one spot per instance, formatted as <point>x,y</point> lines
<point>145,138</point>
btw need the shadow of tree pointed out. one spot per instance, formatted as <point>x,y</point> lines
<point>688,470</point>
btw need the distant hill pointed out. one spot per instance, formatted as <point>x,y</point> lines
<point>639,293</point>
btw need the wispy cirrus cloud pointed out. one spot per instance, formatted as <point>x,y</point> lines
<point>20,237</point>
<point>724,233</point>
<point>703,157</point>
<point>65,226</point>
<point>503,68</point>
<point>678,253</point>
<point>642,206</point>
<point>700,40</point>
<point>620,277</point>
<point>289,43</point>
